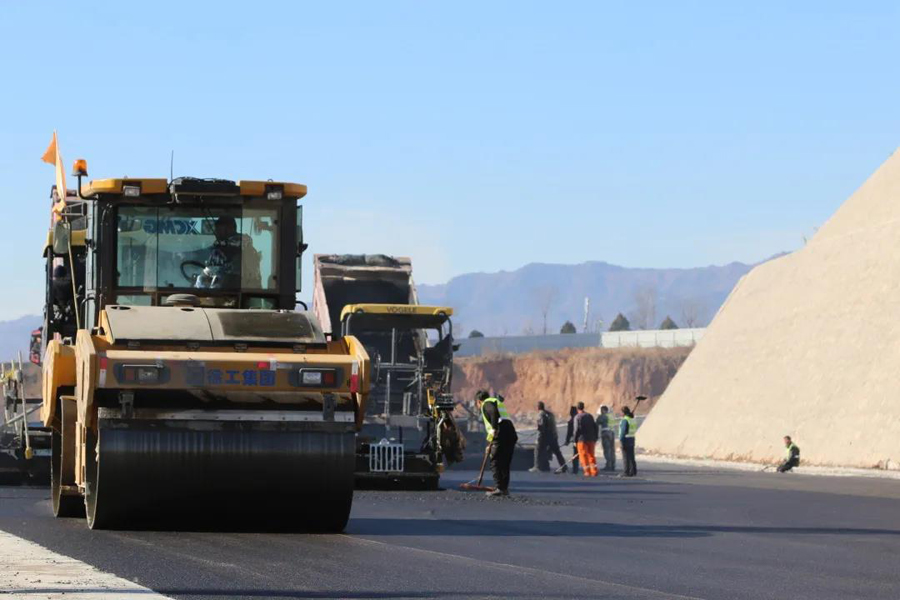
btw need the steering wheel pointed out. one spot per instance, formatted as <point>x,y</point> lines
<point>192,263</point>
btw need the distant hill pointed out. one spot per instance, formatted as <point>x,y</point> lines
<point>15,336</point>
<point>512,303</point>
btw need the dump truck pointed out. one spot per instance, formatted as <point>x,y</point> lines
<point>409,430</point>
<point>178,378</point>
<point>24,441</point>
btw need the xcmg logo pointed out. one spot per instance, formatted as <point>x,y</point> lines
<point>167,225</point>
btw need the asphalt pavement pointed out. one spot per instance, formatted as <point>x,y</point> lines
<point>675,532</point>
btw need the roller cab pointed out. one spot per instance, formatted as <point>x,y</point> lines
<point>178,376</point>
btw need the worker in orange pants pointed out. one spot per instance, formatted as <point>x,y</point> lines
<point>586,440</point>
<point>586,456</point>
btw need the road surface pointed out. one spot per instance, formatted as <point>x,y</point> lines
<point>677,532</point>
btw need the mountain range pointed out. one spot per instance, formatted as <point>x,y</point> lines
<point>15,336</point>
<point>516,302</point>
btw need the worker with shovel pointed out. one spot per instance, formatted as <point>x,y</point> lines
<point>570,431</point>
<point>547,443</point>
<point>501,438</point>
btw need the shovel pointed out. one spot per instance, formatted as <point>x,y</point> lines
<point>566,464</point>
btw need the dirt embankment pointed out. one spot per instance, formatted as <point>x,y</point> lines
<point>594,376</point>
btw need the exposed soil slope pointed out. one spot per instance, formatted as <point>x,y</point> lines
<point>594,376</point>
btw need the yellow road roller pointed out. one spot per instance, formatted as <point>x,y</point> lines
<point>179,378</point>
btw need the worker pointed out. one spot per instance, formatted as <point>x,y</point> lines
<point>793,456</point>
<point>627,429</point>
<point>502,437</point>
<point>541,460</point>
<point>570,431</point>
<point>233,262</point>
<point>607,438</point>
<point>585,437</point>
<point>547,441</point>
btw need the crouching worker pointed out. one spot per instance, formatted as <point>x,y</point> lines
<point>502,437</point>
<point>793,456</point>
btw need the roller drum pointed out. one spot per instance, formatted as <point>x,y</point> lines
<point>275,475</point>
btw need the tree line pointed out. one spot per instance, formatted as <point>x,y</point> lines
<point>641,317</point>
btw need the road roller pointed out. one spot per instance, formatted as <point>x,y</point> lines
<point>182,378</point>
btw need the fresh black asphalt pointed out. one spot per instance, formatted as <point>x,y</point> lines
<point>675,532</point>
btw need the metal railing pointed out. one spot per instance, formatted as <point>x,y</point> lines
<point>656,338</point>
<point>520,344</point>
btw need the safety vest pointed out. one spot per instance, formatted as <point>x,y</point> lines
<point>790,449</point>
<point>631,426</point>
<point>504,416</point>
<point>610,424</point>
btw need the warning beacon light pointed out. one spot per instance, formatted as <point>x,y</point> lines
<point>79,169</point>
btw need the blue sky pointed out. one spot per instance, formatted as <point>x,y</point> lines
<point>472,137</point>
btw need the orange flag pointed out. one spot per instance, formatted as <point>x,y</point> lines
<point>52,156</point>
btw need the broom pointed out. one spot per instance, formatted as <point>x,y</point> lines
<point>477,487</point>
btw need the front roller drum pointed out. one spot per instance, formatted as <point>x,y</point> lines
<point>223,474</point>
<point>64,495</point>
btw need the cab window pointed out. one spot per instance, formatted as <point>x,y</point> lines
<point>216,248</point>
<point>260,229</point>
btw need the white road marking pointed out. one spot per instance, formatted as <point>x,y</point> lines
<point>30,571</point>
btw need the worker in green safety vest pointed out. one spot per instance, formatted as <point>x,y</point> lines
<point>627,429</point>
<point>606,424</point>
<point>501,438</point>
<point>793,456</point>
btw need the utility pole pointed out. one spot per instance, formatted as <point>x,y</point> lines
<point>587,313</point>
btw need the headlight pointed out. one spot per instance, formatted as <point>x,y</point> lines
<point>312,377</point>
<point>321,378</point>
<point>141,374</point>
<point>147,375</point>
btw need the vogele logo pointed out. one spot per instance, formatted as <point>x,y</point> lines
<point>401,309</point>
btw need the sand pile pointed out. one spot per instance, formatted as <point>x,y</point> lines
<point>806,345</point>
